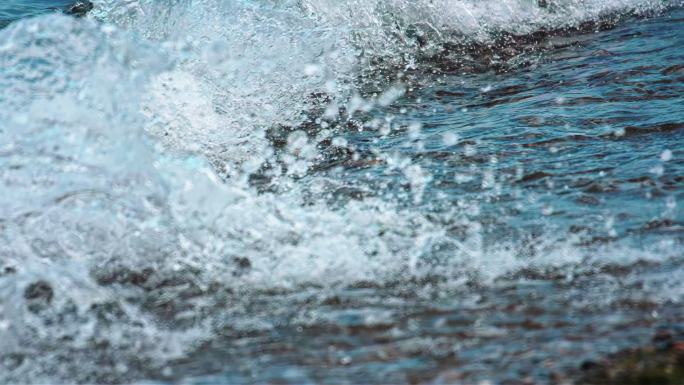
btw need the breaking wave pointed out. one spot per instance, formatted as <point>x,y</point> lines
<point>130,221</point>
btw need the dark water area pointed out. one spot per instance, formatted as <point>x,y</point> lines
<point>309,192</point>
<point>11,10</point>
<point>581,137</point>
<point>578,143</point>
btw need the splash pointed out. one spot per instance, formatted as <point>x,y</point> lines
<point>128,215</point>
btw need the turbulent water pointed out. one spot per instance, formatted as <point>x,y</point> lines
<point>318,191</point>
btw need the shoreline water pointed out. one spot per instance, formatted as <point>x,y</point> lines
<point>487,213</point>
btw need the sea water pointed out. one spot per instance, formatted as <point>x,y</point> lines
<point>314,191</point>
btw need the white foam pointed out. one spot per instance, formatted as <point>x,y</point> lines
<point>242,67</point>
<point>108,134</point>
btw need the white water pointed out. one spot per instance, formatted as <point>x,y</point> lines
<point>127,141</point>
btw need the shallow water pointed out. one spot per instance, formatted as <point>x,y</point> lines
<point>326,192</point>
<point>11,10</point>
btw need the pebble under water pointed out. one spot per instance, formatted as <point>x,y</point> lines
<point>314,191</point>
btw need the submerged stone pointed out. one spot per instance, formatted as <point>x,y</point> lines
<point>39,290</point>
<point>38,296</point>
<point>661,363</point>
<point>80,8</point>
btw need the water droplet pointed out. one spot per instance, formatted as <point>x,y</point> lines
<point>671,202</point>
<point>657,170</point>
<point>469,150</point>
<point>339,142</point>
<point>450,139</point>
<point>312,69</point>
<point>414,130</point>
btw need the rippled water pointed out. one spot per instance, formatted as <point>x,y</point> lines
<point>11,10</point>
<point>319,191</point>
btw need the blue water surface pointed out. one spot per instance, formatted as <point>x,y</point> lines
<point>11,10</point>
<point>551,167</point>
<point>585,137</point>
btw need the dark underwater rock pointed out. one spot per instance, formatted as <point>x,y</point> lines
<point>38,295</point>
<point>80,8</point>
<point>7,270</point>
<point>242,266</point>
<point>39,290</point>
<point>661,363</point>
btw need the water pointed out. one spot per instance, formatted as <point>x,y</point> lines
<point>11,10</point>
<point>324,192</point>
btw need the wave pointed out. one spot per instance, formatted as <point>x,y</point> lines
<point>128,219</point>
<point>262,63</point>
